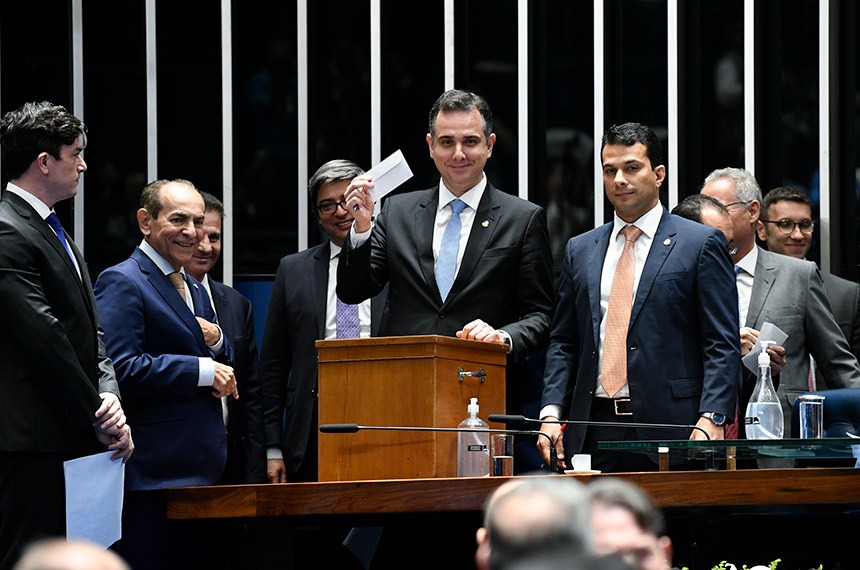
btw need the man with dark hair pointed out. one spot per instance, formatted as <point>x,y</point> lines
<point>246,453</point>
<point>626,522</point>
<point>787,227</point>
<point>59,397</point>
<point>646,325</point>
<point>461,258</point>
<point>709,211</point>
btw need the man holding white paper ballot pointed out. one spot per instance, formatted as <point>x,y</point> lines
<point>784,291</point>
<point>462,258</point>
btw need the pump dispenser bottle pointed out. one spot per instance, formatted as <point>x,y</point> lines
<point>764,419</point>
<point>473,447</point>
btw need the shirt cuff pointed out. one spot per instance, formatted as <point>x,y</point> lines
<point>357,239</point>
<point>507,337</point>
<point>553,410</point>
<point>274,453</point>
<point>206,373</point>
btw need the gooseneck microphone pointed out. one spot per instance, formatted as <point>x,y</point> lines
<point>509,419</point>
<point>353,428</point>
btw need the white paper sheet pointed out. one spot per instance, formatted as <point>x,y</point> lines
<point>94,487</point>
<point>388,175</point>
<point>769,331</point>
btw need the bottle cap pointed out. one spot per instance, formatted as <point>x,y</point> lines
<point>473,406</point>
<point>764,357</point>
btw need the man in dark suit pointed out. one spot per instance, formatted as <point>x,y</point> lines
<point>673,356</point>
<point>785,291</point>
<point>303,309</point>
<point>159,331</point>
<point>59,397</point>
<point>786,227</point>
<point>492,281</point>
<point>246,452</point>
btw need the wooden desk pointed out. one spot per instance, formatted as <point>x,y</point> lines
<point>812,486</point>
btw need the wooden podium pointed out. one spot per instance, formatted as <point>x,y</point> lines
<point>423,381</point>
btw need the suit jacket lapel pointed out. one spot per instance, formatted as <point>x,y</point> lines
<point>319,285</point>
<point>594,263</point>
<point>479,238</point>
<point>424,220</point>
<point>762,282</point>
<point>165,288</point>
<point>661,246</point>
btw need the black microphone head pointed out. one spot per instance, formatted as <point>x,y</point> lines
<point>339,428</point>
<point>506,419</point>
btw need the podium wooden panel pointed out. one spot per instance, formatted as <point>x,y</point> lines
<point>402,381</point>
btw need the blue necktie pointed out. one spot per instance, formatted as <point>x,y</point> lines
<point>54,222</point>
<point>348,325</point>
<point>446,264</point>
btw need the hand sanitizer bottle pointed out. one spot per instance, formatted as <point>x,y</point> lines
<point>473,448</point>
<point>764,419</point>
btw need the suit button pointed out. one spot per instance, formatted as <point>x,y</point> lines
<point>634,347</point>
<point>442,315</point>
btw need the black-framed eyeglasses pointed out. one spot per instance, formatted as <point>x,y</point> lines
<point>737,203</point>
<point>330,207</point>
<point>787,226</point>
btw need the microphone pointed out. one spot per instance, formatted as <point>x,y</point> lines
<point>509,419</point>
<point>353,428</point>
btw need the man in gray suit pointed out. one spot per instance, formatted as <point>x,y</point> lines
<point>786,227</point>
<point>784,291</point>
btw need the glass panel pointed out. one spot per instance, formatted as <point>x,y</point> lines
<point>710,51</point>
<point>562,149</point>
<point>115,113</point>
<point>338,87</point>
<point>486,63</point>
<point>413,76</point>
<point>635,72</point>
<point>265,151</point>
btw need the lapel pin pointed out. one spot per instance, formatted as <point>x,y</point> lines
<point>195,285</point>
<point>485,224</point>
<point>667,241</point>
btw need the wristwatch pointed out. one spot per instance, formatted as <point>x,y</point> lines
<point>716,417</point>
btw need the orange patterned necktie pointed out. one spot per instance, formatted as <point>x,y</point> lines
<point>613,371</point>
<point>179,283</point>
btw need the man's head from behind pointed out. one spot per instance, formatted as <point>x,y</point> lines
<point>626,522</point>
<point>209,249</point>
<point>707,210</point>
<point>325,197</point>
<point>533,514</point>
<point>59,554</point>
<point>739,192</point>
<point>171,218</point>
<point>786,223</point>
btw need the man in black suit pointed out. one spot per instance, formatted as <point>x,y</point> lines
<point>303,309</point>
<point>495,285</point>
<point>246,452</point>
<point>59,397</point>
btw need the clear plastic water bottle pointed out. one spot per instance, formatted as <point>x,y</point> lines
<point>763,418</point>
<point>473,448</point>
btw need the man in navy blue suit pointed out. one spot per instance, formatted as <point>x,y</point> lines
<point>160,333</point>
<point>678,363</point>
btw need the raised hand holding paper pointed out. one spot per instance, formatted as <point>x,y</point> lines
<point>388,175</point>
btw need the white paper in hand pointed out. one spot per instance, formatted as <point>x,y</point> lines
<point>769,331</point>
<point>388,175</point>
<point>94,487</point>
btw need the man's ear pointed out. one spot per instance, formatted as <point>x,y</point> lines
<point>143,221</point>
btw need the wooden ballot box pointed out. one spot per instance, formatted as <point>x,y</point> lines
<point>423,381</point>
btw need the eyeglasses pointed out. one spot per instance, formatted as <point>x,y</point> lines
<point>328,208</point>
<point>787,226</point>
<point>737,203</point>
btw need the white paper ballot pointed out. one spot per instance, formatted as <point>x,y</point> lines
<point>769,331</point>
<point>94,486</point>
<point>388,175</point>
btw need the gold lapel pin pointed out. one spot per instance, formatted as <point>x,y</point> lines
<point>667,241</point>
<point>485,224</point>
